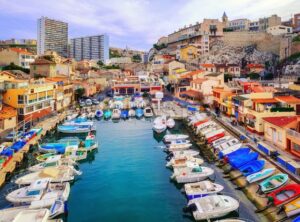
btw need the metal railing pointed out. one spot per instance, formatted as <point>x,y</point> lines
<point>293,133</point>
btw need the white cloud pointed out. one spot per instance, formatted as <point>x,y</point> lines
<point>140,22</point>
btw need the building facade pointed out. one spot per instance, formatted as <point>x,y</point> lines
<point>52,35</point>
<point>280,30</point>
<point>91,48</point>
<point>18,56</point>
<point>239,25</point>
<point>296,22</point>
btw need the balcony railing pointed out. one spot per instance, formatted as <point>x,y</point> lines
<point>293,133</point>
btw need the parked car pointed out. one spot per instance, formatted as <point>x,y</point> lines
<point>95,101</point>
<point>88,102</point>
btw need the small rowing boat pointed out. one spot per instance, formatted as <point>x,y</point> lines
<point>260,175</point>
<point>273,182</point>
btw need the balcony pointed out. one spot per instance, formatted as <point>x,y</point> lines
<point>293,133</point>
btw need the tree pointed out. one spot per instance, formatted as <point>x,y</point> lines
<point>13,66</point>
<point>100,63</point>
<point>254,75</point>
<point>136,58</point>
<point>227,77</point>
<point>79,92</point>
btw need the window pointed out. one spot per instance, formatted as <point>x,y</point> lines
<point>296,147</point>
<point>38,106</point>
<point>20,99</point>
<point>279,137</point>
<point>29,109</point>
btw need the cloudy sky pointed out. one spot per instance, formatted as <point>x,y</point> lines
<point>133,23</point>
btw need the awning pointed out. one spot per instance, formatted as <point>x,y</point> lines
<point>191,93</point>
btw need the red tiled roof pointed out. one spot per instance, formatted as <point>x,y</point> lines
<point>272,100</point>
<point>280,121</point>
<point>288,99</point>
<point>263,89</point>
<point>208,65</point>
<point>21,51</point>
<point>7,112</point>
<point>252,65</point>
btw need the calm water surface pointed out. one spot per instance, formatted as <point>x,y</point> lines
<point>127,180</point>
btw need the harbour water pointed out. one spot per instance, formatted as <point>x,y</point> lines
<point>127,180</point>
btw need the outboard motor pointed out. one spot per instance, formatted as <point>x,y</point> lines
<point>190,208</point>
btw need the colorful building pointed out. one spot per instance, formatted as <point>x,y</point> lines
<point>31,99</point>
<point>188,53</point>
<point>18,56</point>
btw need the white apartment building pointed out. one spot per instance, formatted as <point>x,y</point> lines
<point>90,48</point>
<point>52,35</point>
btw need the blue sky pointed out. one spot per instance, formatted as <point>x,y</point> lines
<point>133,23</point>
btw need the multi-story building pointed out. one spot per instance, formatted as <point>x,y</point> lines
<point>18,42</point>
<point>31,99</point>
<point>265,23</point>
<point>296,22</point>
<point>254,26</point>
<point>52,35</point>
<point>200,33</point>
<point>91,48</point>
<point>18,56</point>
<point>239,25</point>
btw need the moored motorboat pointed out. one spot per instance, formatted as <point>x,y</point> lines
<point>284,194</point>
<point>47,156</point>
<point>260,175</point>
<point>57,174</point>
<point>75,153</point>
<point>273,182</point>
<point>148,112</point>
<point>184,161</point>
<point>40,193</point>
<point>99,113</point>
<point>292,208</point>
<point>131,113</point>
<point>171,137</point>
<point>116,114</point>
<point>159,124</point>
<point>75,128</point>
<point>252,167</point>
<point>201,189</point>
<point>176,147</point>
<point>139,113</point>
<point>213,206</point>
<point>58,161</point>
<point>238,161</point>
<point>107,114</point>
<point>190,175</point>
<point>170,123</point>
<point>182,153</point>
<point>124,114</point>
<point>231,150</point>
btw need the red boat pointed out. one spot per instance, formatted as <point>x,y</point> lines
<point>284,194</point>
<point>215,137</point>
<point>200,122</point>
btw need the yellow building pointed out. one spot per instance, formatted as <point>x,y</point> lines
<point>31,99</point>
<point>43,68</point>
<point>188,53</point>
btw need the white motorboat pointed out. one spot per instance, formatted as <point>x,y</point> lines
<point>230,149</point>
<point>221,140</point>
<point>214,133</point>
<point>190,175</point>
<point>177,147</point>
<point>57,174</point>
<point>131,113</point>
<point>205,125</point>
<point>185,153</point>
<point>148,112</point>
<point>171,123</point>
<point>213,206</point>
<point>25,214</point>
<point>201,189</point>
<point>180,141</point>
<point>116,114</point>
<point>40,193</point>
<point>196,118</point>
<point>208,130</point>
<point>227,144</point>
<point>170,137</point>
<point>159,124</point>
<point>184,161</point>
<point>52,162</point>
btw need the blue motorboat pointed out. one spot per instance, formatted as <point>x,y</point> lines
<point>240,160</point>
<point>252,167</point>
<point>98,113</point>
<point>139,113</point>
<point>240,151</point>
<point>60,146</point>
<point>75,128</point>
<point>124,114</point>
<point>80,119</point>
